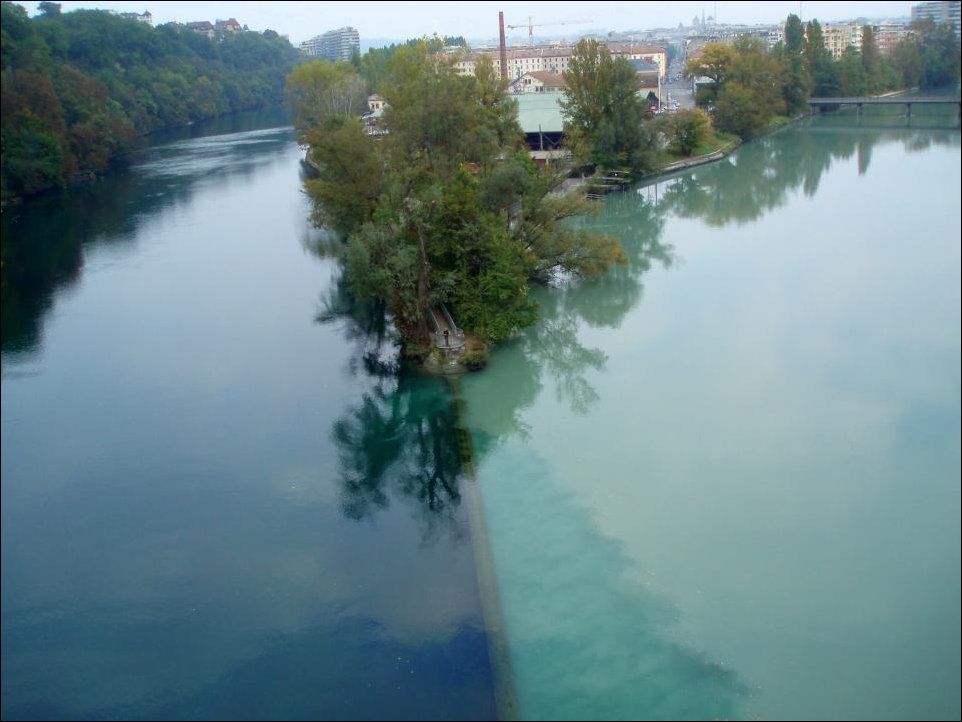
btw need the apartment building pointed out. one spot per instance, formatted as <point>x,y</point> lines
<point>333,45</point>
<point>940,12</point>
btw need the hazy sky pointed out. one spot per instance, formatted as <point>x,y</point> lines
<point>301,20</point>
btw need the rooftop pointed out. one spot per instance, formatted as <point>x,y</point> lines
<point>540,111</point>
<point>549,78</point>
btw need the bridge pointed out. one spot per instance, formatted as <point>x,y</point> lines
<point>907,100</point>
<point>447,336</point>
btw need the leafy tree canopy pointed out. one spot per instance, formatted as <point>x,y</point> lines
<point>91,83</point>
<point>447,207</point>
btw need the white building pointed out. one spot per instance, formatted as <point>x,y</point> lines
<point>144,17</point>
<point>839,37</point>
<point>538,81</point>
<point>333,45</point>
<point>555,59</point>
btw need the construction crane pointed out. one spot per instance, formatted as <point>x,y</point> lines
<point>531,26</point>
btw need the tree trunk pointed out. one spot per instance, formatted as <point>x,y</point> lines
<point>424,333</point>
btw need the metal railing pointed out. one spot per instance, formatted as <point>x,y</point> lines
<point>454,339</point>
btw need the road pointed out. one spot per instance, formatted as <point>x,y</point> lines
<point>678,86</point>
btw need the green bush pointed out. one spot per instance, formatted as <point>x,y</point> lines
<point>476,359</point>
<point>687,130</point>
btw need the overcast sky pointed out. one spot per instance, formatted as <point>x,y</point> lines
<point>301,20</point>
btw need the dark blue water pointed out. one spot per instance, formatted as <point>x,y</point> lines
<point>220,498</point>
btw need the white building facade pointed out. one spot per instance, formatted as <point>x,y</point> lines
<point>555,59</point>
<point>334,45</point>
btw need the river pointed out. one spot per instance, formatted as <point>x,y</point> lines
<point>719,482</point>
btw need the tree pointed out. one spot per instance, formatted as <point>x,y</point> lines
<point>738,111</point>
<point>819,62</point>
<point>751,89</point>
<point>431,238</point>
<point>444,208</point>
<point>49,9</point>
<point>320,90</point>
<point>796,76</point>
<point>851,74</point>
<point>32,157</point>
<point>602,109</point>
<point>938,49</point>
<point>871,61</point>
<point>552,245</point>
<point>908,61</point>
<point>794,35</point>
<point>713,61</point>
<point>796,84</point>
<point>349,179</point>
<point>688,129</point>
<point>94,82</point>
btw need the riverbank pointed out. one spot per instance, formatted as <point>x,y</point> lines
<point>223,123</point>
<point>725,149</point>
<point>777,123</point>
<point>695,160</point>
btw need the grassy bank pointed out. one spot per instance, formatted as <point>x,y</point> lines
<point>716,142</point>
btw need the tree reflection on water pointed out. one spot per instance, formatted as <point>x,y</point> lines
<point>401,439</point>
<point>758,179</point>
<point>46,239</point>
<point>553,348</point>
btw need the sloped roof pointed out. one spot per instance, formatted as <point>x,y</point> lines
<point>547,77</point>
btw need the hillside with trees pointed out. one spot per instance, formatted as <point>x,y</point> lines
<point>79,89</point>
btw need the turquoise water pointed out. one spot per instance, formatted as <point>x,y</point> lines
<point>723,482</point>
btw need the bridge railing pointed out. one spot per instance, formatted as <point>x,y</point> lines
<point>894,100</point>
<point>454,340</point>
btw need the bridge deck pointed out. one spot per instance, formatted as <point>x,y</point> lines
<point>902,100</point>
<point>442,321</point>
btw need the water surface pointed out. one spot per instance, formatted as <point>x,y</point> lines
<point>723,482</point>
<point>220,498</point>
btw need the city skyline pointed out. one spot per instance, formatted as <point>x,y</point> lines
<point>300,21</point>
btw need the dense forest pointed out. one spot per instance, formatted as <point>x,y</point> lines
<point>79,89</point>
